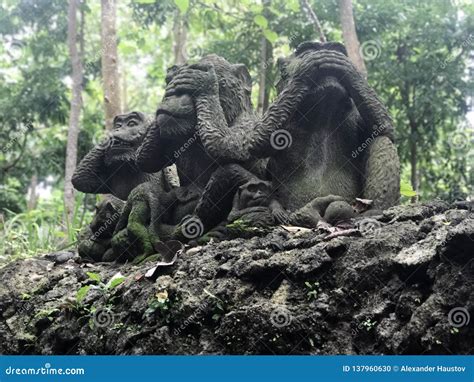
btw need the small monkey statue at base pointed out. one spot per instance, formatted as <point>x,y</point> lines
<point>253,206</point>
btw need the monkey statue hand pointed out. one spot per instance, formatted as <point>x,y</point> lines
<point>195,80</point>
<point>316,64</point>
<point>280,215</point>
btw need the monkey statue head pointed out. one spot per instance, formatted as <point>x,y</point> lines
<point>252,204</point>
<point>110,167</point>
<point>125,137</point>
<point>235,86</point>
<point>176,121</point>
<point>326,92</point>
<point>254,193</point>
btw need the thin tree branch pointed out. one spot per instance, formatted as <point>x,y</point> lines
<point>306,6</point>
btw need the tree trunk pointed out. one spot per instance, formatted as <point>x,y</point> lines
<point>110,72</point>
<point>407,98</point>
<point>180,32</point>
<point>262,102</point>
<point>350,35</point>
<point>306,7</point>
<point>265,68</point>
<point>75,112</point>
<point>413,161</point>
<point>32,195</point>
<point>124,91</point>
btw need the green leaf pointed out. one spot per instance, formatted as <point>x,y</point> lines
<point>82,292</point>
<point>94,276</point>
<point>270,35</point>
<point>293,5</point>
<point>144,1</point>
<point>115,282</point>
<point>406,189</point>
<point>127,48</point>
<point>261,21</point>
<point>256,8</point>
<point>182,5</point>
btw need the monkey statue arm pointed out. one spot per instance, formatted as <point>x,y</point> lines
<point>88,174</point>
<point>250,139</point>
<point>382,174</point>
<point>156,153</point>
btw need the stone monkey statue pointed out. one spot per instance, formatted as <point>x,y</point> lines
<point>255,204</point>
<point>325,111</point>
<point>110,168</point>
<point>149,217</point>
<point>94,239</point>
<point>175,137</point>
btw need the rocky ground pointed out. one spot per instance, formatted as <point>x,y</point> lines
<point>404,285</point>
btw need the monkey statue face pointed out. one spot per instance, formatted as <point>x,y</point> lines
<point>125,138</point>
<point>255,193</point>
